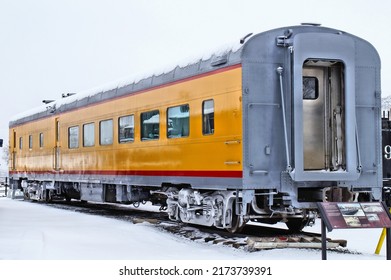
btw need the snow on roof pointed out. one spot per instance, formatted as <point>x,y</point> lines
<point>210,61</point>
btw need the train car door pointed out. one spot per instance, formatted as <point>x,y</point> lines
<point>13,150</point>
<point>323,116</point>
<point>57,146</point>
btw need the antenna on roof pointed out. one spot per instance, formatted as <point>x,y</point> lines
<point>311,23</point>
<point>47,101</point>
<point>64,95</point>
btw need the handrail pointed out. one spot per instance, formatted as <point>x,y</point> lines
<point>288,166</point>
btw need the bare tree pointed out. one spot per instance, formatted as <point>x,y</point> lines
<point>5,157</point>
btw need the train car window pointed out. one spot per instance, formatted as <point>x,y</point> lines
<point>57,130</point>
<point>310,88</point>
<point>30,141</point>
<point>73,137</point>
<point>208,117</point>
<point>41,140</point>
<point>150,125</point>
<point>14,139</point>
<point>178,121</point>
<point>106,132</point>
<point>89,135</point>
<point>126,129</point>
<point>20,143</point>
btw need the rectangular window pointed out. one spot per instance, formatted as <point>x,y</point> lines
<point>310,88</point>
<point>20,143</point>
<point>14,139</point>
<point>41,140</point>
<point>126,129</point>
<point>73,137</point>
<point>178,121</point>
<point>208,117</point>
<point>106,132</point>
<point>13,161</point>
<point>30,141</point>
<point>57,130</point>
<point>150,125</point>
<point>89,135</point>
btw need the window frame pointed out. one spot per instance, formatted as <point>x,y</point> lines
<point>84,135</point>
<point>211,129</point>
<point>41,140</point>
<point>70,145</point>
<point>14,139</point>
<point>111,136</point>
<point>142,125</point>
<point>119,129</point>
<point>57,132</point>
<point>306,96</point>
<point>30,142</point>
<point>182,135</point>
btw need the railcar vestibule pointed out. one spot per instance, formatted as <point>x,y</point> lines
<point>323,115</point>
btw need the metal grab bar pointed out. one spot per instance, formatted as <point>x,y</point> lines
<point>231,142</point>
<point>359,167</point>
<point>280,70</point>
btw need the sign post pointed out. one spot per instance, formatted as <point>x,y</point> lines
<point>324,241</point>
<point>345,215</point>
<point>388,248</point>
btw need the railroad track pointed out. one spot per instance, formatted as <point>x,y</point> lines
<point>254,237</point>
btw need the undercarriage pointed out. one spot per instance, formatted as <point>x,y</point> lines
<point>231,210</point>
<point>224,209</point>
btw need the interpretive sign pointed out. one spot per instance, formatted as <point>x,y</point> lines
<point>339,215</point>
<point>345,215</point>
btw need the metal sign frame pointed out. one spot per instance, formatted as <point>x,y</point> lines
<point>346,215</point>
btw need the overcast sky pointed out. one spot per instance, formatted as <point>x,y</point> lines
<point>50,47</point>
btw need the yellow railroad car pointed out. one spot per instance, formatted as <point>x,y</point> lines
<point>259,132</point>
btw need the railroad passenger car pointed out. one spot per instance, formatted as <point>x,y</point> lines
<point>262,131</point>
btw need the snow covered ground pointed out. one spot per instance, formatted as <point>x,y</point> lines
<point>30,231</point>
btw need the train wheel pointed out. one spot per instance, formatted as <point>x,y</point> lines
<point>26,196</point>
<point>237,223</point>
<point>48,196</point>
<point>296,224</point>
